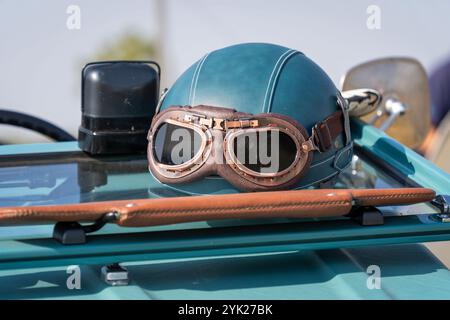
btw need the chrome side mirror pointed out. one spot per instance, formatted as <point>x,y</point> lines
<point>404,109</point>
<point>361,101</point>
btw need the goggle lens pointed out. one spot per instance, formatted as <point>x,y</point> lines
<point>174,145</point>
<point>270,151</point>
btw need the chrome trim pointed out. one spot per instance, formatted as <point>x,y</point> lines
<point>161,99</point>
<point>344,107</point>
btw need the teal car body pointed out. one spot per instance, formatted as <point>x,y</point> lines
<point>233,259</point>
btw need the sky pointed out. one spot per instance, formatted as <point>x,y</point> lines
<point>41,59</point>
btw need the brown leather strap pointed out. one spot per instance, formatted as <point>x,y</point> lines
<point>326,131</point>
<point>275,204</point>
<point>387,197</point>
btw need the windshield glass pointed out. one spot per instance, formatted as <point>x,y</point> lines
<point>75,177</point>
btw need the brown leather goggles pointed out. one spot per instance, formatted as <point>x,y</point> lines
<point>266,151</point>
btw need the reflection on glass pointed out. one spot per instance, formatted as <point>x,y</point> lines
<point>79,178</point>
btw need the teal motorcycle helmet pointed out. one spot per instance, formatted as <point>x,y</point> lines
<point>255,78</point>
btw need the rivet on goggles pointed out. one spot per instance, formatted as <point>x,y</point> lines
<point>189,143</point>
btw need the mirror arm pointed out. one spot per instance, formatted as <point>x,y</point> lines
<point>377,115</point>
<point>395,109</point>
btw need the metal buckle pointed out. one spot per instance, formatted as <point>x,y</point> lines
<point>213,123</point>
<point>193,118</point>
<point>208,122</point>
<point>218,124</point>
<point>310,145</point>
<point>221,124</point>
<point>241,123</point>
<point>317,138</point>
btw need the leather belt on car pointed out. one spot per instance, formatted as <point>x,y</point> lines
<point>275,204</point>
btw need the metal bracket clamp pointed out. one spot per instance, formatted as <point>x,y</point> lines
<point>367,216</point>
<point>442,202</point>
<point>115,275</point>
<point>74,233</point>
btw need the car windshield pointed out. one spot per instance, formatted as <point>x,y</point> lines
<point>74,177</point>
<point>52,178</point>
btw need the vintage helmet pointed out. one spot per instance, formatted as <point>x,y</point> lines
<point>265,78</point>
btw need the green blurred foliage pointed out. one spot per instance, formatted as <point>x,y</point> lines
<point>128,46</point>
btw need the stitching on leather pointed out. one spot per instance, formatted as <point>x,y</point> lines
<point>192,80</point>
<point>406,195</point>
<point>269,103</point>
<point>322,162</point>
<point>31,213</point>
<point>132,214</point>
<point>340,153</point>
<point>196,80</point>
<point>270,78</point>
<point>24,212</point>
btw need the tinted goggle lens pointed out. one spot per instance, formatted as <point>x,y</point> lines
<point>174,145</point>
<point>267,152</point>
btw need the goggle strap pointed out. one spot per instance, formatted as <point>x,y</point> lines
<point>222,124</point>
<point>241,123</point>
<point>325,132</point>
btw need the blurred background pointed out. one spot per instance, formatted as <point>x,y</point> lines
<point>41,57</point>
<point>43,49</point>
